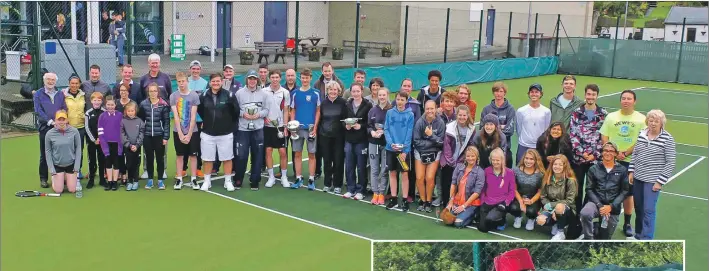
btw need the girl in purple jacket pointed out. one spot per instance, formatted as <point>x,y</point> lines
<point>497,194</point>
<point>109,135</point>
<point>459,135</point>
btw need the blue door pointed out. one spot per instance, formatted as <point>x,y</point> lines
<point>490,29</point>
<point>275,21</point>
<point>223,9</point>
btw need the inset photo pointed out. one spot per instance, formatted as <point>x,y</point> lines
<point>525,256</point>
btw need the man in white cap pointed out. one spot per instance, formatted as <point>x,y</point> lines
<point>195,82</point>
<point>229,82</point>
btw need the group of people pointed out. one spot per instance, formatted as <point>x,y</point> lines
<point>575,162</point>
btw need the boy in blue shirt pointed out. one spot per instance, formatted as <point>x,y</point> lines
<point>305,108</point>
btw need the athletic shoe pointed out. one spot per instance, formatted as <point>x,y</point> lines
<point>436,202</point>
<point>554,230</point>
<point>518,222</point>
<point>144,175</point>
<point>254,187</point>
<point>206,185</point>
<point>347,195</point>
<point>428,208</point>
<point>90,184</point>
<point>405,206</point>
<point>311,185</point>
<point>149,184</point>
<point>358,196</point>
<point>326,189</point>
<point>102,182</point>
<point>200,173</point>
<point>161,185</point>
<point>298,183</point>
<point>129,186</point>
<point>421,208</point>
<point>229,186</point>
<point>195,186</point>
<point>530,225</point>
<point>337,190</point>
<point>237,184</point>
<point>375,199</point>
<point>178,185</point>
<point>502,227</point>
<point>581,237</point>
<point>114,186</point>
<point>107,187</point>
<point>631,238</point>
<point>559,236</point>
<point>392,203</point>
<point>284,181</point>
<point>164,175</point>
<point>628,230</point>
<point>409,200</point>
<point>317,176</point>
<point>80,175</point>
<point>43,184</point>
<point>271,182</point>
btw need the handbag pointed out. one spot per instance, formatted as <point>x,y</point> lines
<point>428,157</point>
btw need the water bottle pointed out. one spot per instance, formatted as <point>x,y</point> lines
<point>604,222</point>
<point>79,191</point>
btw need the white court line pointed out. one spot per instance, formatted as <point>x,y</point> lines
<point>690,145</point>
<point>668,114</point>
<point>680,173</point>
<point>290,216</point>
<point>676,91</point>
<point>687,154</point>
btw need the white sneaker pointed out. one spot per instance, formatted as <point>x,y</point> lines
<point>518,223</point>
<point>559,236</point>
<point>206,185</point>
<point>530,225</point>
<point>229,186</point>
<point>326,189</point>
<point>178,184</point>
<point>337,190</point>
<point>271,182</point>
<point>347,195</point>
<point>436,202</point>
<point>145,175</point>
<point>554,230</point>
<point>358,196</point>
<point>580,237</point>
<point>284,181</point>
<point>631,238</point>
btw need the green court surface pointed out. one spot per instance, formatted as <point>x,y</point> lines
<point>299,229</point>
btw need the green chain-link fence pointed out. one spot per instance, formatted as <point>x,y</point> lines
<point>545,255</point>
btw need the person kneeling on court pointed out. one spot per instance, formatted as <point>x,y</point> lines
<point>468,181</point>
<point>497,194</point>
<point>606,187</point>
<point>62,147</point>
<point>559,190</point>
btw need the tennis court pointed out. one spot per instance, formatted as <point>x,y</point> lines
<point>299,229</point>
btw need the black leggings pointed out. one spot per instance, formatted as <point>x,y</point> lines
<point>154,148</point>
<point>113,160</point>
<point>491,217</point>
<point>446,180</point>
<point>531,212</point>
<point>96,161</point>
<point>132,164</point>
<point>333,152</point>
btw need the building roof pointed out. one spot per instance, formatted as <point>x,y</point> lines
<point>694,15</point>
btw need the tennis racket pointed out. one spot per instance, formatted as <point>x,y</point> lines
<point>30,193</point>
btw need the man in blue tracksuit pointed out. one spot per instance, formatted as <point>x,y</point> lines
<point>47,101</point>
<point>398,132</point>
<point>250,135</point>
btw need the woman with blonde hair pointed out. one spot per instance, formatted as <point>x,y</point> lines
<point>497,194</point>
<point>559,190</point>
<point>331,136</point>
<point>468,182</point>
<point>653,162</point>
<point>528,174</point>
<point>428,138</point>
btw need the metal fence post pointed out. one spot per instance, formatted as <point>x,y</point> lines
<point>224,34</point>
<point>615,45</point>
<point>476,254</point>
<point>297,43</point>
<point>509,34</point>
<point>406,32</point>
<point>36,64</point>
<point>480,34</point>
<point>533,39</point>
<point>445,46</point>
<point>556,43</point>
<point>129,24</point>
<point>681,45</point>
<point>356,54</point>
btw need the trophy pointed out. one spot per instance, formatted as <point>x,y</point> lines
<point>275,124</point>
<point>251,110</point>
<point>380,128</point>
<point>351,121</point>
<point>311,127</point>
<point>293,126</point>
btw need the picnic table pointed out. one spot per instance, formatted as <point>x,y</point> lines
<point>304,46</point>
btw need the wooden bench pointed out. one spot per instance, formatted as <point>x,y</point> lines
<point>366,44</point>
<point>266,48</point>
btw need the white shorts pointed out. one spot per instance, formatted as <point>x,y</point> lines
<point>211,144</point>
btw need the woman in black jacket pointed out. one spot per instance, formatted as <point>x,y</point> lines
<point>554,141</point>
<point>156,114</point>
<point>356,143</point>
<point>331,136</point>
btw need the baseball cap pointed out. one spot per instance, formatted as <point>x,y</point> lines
<point>60,114</point>
<point>252,73</point>
<point>537,86</point>
<point>228,66</point>
<point>195,63</point>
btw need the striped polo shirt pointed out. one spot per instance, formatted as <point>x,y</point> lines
<point>653,160</point>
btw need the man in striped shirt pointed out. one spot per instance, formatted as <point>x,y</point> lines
<point>622,127</point>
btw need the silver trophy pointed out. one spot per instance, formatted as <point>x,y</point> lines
<point>293,126</point>
<point>311,128</point>
<point>351,121</point>
<point>380,128</point>
<point>251,110</point>
<point>280,132</point>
